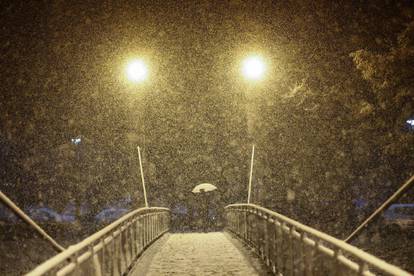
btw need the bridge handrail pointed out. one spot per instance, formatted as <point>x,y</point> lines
<point>104,236</point>
<point>353,258</point>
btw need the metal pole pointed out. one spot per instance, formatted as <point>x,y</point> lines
<point>27,219</point>
<point>250,178</point>
<point>394,197</point>
<point>142,177</point>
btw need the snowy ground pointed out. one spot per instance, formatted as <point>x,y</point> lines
<point>215,253</point>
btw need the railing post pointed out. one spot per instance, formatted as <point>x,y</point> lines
<point>336,263</point>
<point>131,242</point>
<point>139,234</point>
<point>245,225</point>
<point>75,261</point>
<point>362,268</point>
<point>266,240</point>
<point>283,248</point>
<point>291,250</point>
<point>115,253</point>
<point>315,258</point>
<point>145,230</point>
<point>261,235</point>
<point>155,225</point>
<point>237,228</point>
<point>148,227</point>
<point>158,225</point>
<point>151,227</point>
<point>124,252</point>
<point>119,249</point>
<point>135,229</point>
<point>103,259</point>
<point>277,248</point>
<point>307,256</point>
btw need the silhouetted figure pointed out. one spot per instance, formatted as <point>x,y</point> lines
<point>204,210</point>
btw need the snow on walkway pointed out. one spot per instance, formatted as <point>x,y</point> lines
<point>197,254</point>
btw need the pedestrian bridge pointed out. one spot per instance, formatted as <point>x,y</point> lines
<point>139,243</point>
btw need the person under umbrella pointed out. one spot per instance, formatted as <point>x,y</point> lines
<point>203,190</point>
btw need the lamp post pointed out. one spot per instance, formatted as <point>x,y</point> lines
<point>142,177</point>
<point>253,69</point>
<point>250,177</point>
<point>136,72</point>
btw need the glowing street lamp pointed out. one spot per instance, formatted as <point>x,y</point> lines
<point>253,68</point>
<point>137,70</point>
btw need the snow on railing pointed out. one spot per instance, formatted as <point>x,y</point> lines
<point>112,250</point>
<point>291,248</point>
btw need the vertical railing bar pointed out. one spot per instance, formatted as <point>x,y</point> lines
<point>75,261</point>
<point>237,230</point>
<point>147,236</point>
<point>135,247</point>
<point>114,258</point>
<point>130,244</point>
<point>276,255</point>
<point>142,224</point>
<point>336,263</point>
<point>125,241</point>
<point>103,262</point>
<point>363,268</point>
<point>304,253</point>
<point>91,249</point>
<point>151,230</point>
<point>316,255</point>
<point>155,225</point>
<point>120,248</point>
<point>291,249</point>
<point>149,227</point>
<point>266,240</point>
<point>283,247</point>
<point>152,227</point>
<point>144,231</point>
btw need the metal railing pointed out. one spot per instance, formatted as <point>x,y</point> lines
<point>112,250</point>
<point>291,248</point>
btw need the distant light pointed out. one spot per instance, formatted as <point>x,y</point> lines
<point>253,68</point>
<point>76,141</point>
<point>137,70</point>
<point>411,122</point>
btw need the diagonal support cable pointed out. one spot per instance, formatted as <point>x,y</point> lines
<point>28,220</point>
<point>387,203</point>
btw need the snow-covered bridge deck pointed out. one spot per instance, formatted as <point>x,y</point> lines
<point>139,243</point>
<point>215,253</point>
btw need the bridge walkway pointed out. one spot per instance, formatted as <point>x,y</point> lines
<point>215,253</point>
